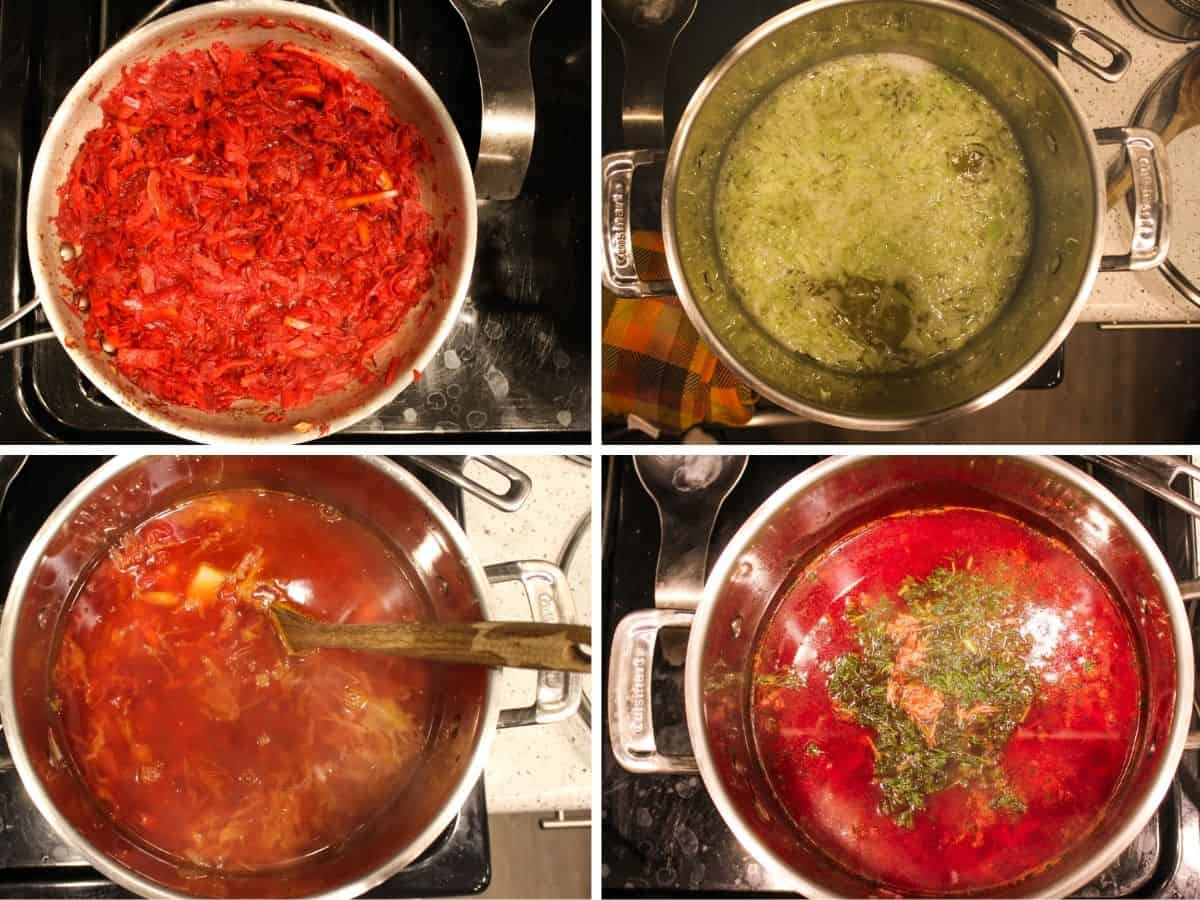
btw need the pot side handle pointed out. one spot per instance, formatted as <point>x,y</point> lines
<point>1063,33</point>
<point>1146,156</point>
<point>619,270</point>
<point>550,600</point>
<point>454,469</point>
<point>1156,475</point>
<point>630,716</point>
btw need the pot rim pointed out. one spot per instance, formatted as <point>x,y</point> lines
<point>1181,635</point>
<point>807,409</point>
<point>128,878</point>
<point>143,40</point>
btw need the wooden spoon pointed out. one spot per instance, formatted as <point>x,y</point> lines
<point>1186,115</point>
<point>519,645</point>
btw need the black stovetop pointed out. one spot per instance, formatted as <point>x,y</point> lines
<point>714,29</point>
<point>34,862</point>
<point>520,366</point>
<point>662,835</point>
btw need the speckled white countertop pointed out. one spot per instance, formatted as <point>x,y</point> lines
<point>539,767</point>
<point>1145,297</point>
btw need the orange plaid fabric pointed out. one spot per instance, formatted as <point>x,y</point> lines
<point>655,365</point>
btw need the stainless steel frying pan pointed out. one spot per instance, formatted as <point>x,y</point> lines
<point>448,192</point>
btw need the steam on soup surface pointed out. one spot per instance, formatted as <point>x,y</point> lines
<point>874,213</point>
<point>185,718</point>
<point>946,701</point>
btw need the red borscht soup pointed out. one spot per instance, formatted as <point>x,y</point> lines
<point>186,720</point>
<point>946,700</point>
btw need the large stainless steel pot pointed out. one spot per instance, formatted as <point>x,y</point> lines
<point>448,192</point>
<point>801,519</point>
<point>126,491</point>
<point>1060,150</point>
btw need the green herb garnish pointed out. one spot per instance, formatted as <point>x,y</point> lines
<point>943,680</point>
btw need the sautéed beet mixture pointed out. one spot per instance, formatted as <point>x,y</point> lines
<point>946,700</point>
<point>247,227</point>
<point>186,720</point>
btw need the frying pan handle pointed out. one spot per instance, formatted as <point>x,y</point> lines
<point>454,470</point>
<point>1155,474</point>
<point>630,715</point>
<point>502,37</point>
<point>13,318</point>
<point>550,600</point>
<point>619,272</point>
<point>1063,33</point>
<point>1146,156</point>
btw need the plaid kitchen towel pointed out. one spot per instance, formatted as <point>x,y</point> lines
<point>655,365</point>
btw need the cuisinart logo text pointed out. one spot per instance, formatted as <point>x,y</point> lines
<point>637,695</point>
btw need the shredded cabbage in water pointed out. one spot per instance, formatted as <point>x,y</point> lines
<point>874,213</point>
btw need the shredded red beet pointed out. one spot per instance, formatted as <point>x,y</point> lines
<point>251,227</point>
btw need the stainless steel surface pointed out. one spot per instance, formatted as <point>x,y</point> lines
<point>565,557</point>
<point>619,270</point>
<point>439,561</point>
<point>1171,20</point>
<point>560,822</point>
<point>455,470</point>
<point>688,491</point>
<point>571,546</point>
<point>804,515</point>
<point>16,316</point>
<point>1158,474</point>
<point>448,192</point>
<point>501,35</point>
<point>1069,203</point>
<point>1155,111</point>
<point>1150,202</point>
<point>1190,592</point>
<point>648,30</point>
<point>1065,34</point>
<point>630,705</point>
<point>1148,326</point>
<point>550,600</point>
<point>10,468</point>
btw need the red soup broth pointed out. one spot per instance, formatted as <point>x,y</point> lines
<point>1065,759</point>
<point>186,720</point>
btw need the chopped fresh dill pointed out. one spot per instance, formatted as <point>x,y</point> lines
<point>943,680</point>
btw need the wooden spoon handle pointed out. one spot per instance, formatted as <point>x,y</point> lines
<point>520,645</point>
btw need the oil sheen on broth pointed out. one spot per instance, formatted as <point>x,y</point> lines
<point>186,720</point>
<point>946,700</point>
<point>874,213</point>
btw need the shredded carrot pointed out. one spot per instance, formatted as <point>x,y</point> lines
<point>365,199</point>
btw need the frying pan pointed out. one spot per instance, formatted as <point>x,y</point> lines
<point>448,193</point>
<point>807,515</point>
